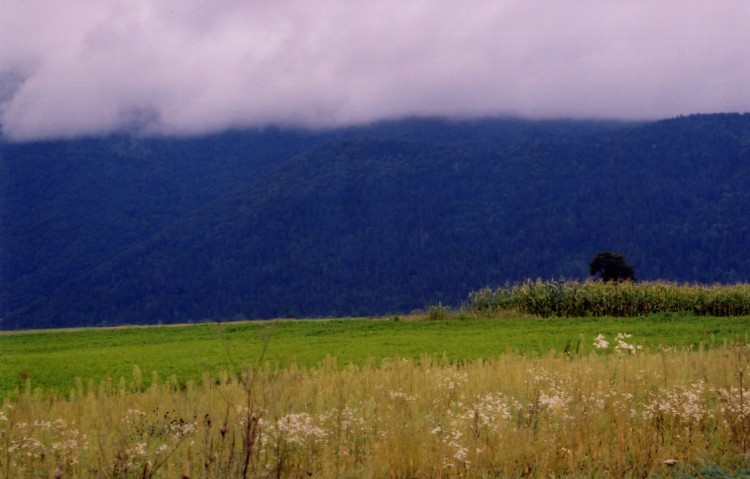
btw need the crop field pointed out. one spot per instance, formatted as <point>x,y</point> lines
<point>622,299</point>
<point>458,395</point>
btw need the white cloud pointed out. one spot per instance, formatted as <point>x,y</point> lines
<point>85,67</point>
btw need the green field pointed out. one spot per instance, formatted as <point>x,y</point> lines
<point>51,360</point>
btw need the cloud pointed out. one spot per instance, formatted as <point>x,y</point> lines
<point>87,67</point>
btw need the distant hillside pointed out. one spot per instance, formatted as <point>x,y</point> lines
<point>68,206</point>
<point>371,220</point>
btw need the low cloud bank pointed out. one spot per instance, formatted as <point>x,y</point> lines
<point>86,67</point>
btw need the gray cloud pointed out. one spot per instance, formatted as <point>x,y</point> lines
<point>85,67</point>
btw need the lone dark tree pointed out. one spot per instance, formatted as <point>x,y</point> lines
<point>611,266</point>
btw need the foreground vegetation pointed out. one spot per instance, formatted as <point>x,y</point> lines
<point>577,299</point>
<point>615,412</point>
<point>445,394</point>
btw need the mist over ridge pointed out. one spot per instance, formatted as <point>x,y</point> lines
<point>89,68</point>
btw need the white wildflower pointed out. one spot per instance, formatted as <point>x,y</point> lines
<point>180,429</point>
<point>554,400</point>
<point>735,402</point>
<point>27,446</point>
<point>297,428</point>
<point>68,445</point>
<point>399,394</point>
<point>489,411</point>
<point>139,450</point>
<point>623,345</point>
<point>600,342</point>
<point>460,452</point>
<point>453,380</point>
<point>681,404</point>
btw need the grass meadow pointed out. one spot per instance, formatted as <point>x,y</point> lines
<point>664,395</point>
<point>52,359</point>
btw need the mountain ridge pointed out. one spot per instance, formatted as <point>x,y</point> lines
<point>366,224</point>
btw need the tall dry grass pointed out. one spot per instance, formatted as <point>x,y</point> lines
<point>594,298</point>
<point>619,412</point>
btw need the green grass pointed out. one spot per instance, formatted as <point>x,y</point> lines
<point>53,359</point>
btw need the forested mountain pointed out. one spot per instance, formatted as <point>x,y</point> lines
<point>370,220</point>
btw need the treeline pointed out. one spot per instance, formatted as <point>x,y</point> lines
<point>628,299</point>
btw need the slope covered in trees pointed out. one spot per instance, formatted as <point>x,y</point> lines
<point>378,219</point>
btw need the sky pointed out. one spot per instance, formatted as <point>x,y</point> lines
<point>182,67</point>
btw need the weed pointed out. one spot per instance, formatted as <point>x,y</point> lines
<point>438,312</point>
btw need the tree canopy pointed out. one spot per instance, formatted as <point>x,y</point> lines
<point>611,266</point>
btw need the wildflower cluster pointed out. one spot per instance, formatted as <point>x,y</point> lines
<point>490,411</point>
<point>32,443</point>
<point>735,402</point>
<point>600,342</point>
<point>451,380</point>
<point>550,397</point>
<point>485,417</point>
<point>451,438</point>
<point>622,346</point>
<point>247,418</point>
<point>399,394</point>
<point>735,409</point>
<point>5,411</point>
<point>151,437</point>
<point>680,405</point>
<point>298,428</point>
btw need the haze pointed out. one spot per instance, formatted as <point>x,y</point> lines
<point>186,67</point>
